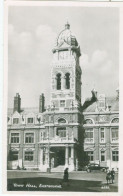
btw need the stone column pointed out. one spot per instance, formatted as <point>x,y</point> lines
<point>62,82</point>
<point>72,155</point>
<point>66,157</point>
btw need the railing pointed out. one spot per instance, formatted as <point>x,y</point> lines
<point>57,139</point>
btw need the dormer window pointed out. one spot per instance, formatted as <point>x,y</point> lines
<point>15,120</point>
<point>101,101</point>
<point>30,120</point>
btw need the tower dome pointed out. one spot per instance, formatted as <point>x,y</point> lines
<point>66,36</point>
<point>66,39</point>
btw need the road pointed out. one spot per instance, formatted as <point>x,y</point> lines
<point>78,181</point>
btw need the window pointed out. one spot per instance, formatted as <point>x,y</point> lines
<point>67,80</point>
<point>88,121</point>
<point>43,134</point>
<point>103,155</point>
<point>102,135</point>
<point>15,120</point>
<point>61,120</point>
<point>14,138</point>
<point>61,132</point>
<point>62,103</point>
<point>13,155</point>
<point>114,134</point>
<point>89,135</point>
<point>115,120</point>
<point>29,138</point>
<point>90,155</point>
<point>58,79</point>
<point>29,155</point>
<point>30,120</point>
<point>115,156</point>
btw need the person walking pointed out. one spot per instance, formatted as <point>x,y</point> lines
<point>112,175</point>
<point>108,176</point>
<point>65,177</point>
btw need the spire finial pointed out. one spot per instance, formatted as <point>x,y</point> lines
<point>67,25</point>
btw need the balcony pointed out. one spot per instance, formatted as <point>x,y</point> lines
<point>57,139</point>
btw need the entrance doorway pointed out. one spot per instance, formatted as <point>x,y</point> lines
<point>58,156</point>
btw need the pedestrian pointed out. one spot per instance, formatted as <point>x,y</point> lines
<point>112,175</point>
<point>65,177</point>
<point>108,176</point>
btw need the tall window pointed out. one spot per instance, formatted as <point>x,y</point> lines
<point>115,156</point>
<point>29,138</point>
<point>15,120</point>
<point>90,155</point>
<point>102,135</point>
<point>114,134</point>
<point>58,78</point>
<point>13,155</point>
<point>103,155</point>
<point>29,156</point>
<point>30,120</point>
<point>89,135</point>
<point>62,103</point>
<point>43,134</point>
<point>67,80</point>
<point>14,138</point>
<point>61,132</point>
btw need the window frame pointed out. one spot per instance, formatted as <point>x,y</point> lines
<point>32,118</point>
<point>102,154</point>
<point>87,130</point>
<point>12,151</point>
<point>115,155</point>
<point>114,141</point>
<point>90,154</point>
<point>17,121</point>
<point>104,135</point>
<point>62,105</point>
<point>11,137</point>
<point>28,155</point>
<point>25,137</point>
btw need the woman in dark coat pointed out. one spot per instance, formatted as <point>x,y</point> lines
<point>66,175</point>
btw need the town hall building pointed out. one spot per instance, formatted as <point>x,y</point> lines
<point>64,133</point>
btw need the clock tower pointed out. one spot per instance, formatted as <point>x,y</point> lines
<point>66,71</point>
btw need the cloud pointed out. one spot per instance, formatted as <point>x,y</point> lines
<point>98,72</point>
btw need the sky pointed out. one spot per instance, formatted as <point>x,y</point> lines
<point>32,32</point>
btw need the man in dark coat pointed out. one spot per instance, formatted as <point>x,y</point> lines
<point>112,174</point>
<point>65,177</point>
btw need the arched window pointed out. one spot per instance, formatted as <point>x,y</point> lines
<point>115,120</point>
<point>67,80</point>
<point>61,120</point>
<point>88,121</point>
<point>58,79</point>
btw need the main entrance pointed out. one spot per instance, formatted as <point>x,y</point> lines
<point>57,156</point>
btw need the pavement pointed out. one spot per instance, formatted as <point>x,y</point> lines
<point>78,181</point>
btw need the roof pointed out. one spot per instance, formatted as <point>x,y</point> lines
<point>28,110</point>
<point>111,102</point>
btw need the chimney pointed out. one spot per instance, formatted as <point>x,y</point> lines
<point>17,103</point>
<point>41,103</point>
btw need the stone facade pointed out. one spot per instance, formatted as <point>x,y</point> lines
<point>65,133</point>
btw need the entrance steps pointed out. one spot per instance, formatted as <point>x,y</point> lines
<point>59,168</point>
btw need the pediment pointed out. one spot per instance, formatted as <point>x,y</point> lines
<point>16,115</point>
